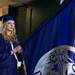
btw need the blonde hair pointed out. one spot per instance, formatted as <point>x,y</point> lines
<point>12,37</point>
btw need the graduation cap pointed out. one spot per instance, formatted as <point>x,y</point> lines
<point>7,17</point>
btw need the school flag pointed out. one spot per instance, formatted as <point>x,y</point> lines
<point>50,50</point>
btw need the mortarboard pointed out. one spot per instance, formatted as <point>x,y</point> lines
<point>7,17</point>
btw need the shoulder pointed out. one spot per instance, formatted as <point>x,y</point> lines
<point>1,38</point>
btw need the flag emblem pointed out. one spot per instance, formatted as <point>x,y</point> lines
<point>56,62</point>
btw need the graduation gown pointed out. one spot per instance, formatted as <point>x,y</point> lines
<point>8,63</point>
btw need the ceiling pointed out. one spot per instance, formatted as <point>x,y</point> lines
<point>11,2</point>
<point>17,2</point>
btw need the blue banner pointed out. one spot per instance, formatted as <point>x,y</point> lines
<point>50,50</point>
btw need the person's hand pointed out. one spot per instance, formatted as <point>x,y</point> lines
<point>18,49</point>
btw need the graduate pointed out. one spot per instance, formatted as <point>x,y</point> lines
<point>9,47</point>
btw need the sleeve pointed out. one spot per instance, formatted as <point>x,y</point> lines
<point>1,46</point>
<point>1,43</point>
<point>19,55</point>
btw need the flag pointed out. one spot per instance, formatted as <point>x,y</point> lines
<point>50,50</point>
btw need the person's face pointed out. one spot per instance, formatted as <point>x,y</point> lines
<point>10,24</point>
